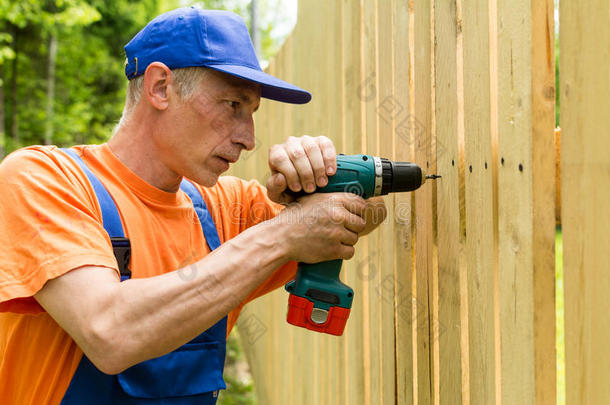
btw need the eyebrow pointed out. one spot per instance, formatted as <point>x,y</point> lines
<point>246,99</point>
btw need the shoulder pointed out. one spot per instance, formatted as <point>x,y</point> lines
<point>35,160</point>
<point>45,173</point>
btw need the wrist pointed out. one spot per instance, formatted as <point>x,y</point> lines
<point>281,235</point>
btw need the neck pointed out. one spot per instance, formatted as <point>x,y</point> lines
<point>133,145</point>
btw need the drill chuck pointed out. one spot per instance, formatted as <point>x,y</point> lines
<point>400,176</point>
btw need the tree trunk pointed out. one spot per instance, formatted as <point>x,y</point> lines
<point>48,136</point>
<point>254,31</point>
<point>14,97</point>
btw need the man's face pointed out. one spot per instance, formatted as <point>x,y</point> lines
<point>207,132</point>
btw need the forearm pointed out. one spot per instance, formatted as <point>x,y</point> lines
<point>121,324</point>
<point>166,311</point>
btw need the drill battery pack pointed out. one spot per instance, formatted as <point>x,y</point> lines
<point>301,312</point>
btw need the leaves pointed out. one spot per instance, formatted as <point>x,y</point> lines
<point>89,76</point>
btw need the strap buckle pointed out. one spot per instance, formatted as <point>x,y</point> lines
<point>122,252</point>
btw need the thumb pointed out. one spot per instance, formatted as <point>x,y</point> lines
<point>276,184</point>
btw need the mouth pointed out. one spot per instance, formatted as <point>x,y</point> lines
<point>228,159</point>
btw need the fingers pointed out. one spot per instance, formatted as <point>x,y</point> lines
<point>354,204</point>
<point>280,162</point>
<point>316,160</point>
<point>354,223</point>
<point>347,252</point>
<point>329,154</point>
<point>300,160</point>
<point>349,238</point>
<point>305,162</point>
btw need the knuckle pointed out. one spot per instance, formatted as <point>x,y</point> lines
<point>324,140</point>
<point>335,216</point>
<point>278,156</point>
<point>296,152</point>
<point>309,146</point>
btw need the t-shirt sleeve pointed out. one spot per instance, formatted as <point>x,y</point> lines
<point>50,223</point>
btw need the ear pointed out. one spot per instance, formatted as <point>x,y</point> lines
<point>157,80</point>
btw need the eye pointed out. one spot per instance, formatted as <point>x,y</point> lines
<point>233,104</point>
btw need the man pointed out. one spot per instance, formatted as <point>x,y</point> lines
<point>71,331</point>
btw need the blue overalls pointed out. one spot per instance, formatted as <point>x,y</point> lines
<point>191,374</point>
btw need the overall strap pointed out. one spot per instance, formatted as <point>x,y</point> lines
<point>110,214</point>
<point>110,217</point>
<point>207,223</point>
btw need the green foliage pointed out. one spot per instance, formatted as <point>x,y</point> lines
<point>89,79</point>
<point>560,319</point>
<point>239,391</point>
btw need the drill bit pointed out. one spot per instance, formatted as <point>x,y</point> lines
<point>433,176</point>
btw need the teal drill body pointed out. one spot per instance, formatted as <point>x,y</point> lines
<point>318,300</point>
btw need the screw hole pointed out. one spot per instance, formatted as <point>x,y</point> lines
<point>470,168</point>
<point>428,165</point>
<point>453,163</point>
<point>365,158</point>
<point>520,167</point>
<point>350,294</point>
<point>502,161</point>
<point>486,165</point>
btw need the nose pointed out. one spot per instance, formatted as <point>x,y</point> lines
<point>244,134</point>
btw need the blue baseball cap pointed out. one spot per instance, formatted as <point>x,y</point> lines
<point>215,39</point>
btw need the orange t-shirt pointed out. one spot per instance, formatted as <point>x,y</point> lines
<point>50,223</point>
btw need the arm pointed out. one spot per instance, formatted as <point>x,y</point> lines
<point>120,324</point>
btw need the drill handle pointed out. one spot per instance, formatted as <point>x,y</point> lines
<point>318,300</point>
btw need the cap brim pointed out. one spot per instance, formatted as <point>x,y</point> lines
<point>271,87</point>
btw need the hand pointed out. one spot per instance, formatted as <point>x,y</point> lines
<point>300,164</point>
<point>323,226</point>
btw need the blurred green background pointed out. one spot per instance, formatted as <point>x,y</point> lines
<point>62,62</point>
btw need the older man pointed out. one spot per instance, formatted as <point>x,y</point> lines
<point>119,278</point>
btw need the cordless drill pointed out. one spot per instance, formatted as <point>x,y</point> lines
<point>318,300</point>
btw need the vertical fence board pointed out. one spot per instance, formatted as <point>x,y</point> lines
<point>421,138</point>
<point>515,205</point>
<point>355,272</point>
<point>449,325</point>
<point>543,169</point>
<point>335,125</point>
<point>401,215</point>
<point>307,393</point>
<point>479,200</point>
<point>585,119</point>
<point>371,242</point>
<point>386,282</point>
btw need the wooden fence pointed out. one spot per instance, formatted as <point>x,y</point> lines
<point>455,292</point>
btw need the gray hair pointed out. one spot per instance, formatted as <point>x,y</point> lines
<point>187,80</point>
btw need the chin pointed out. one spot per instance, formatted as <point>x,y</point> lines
<point>206,180</point>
